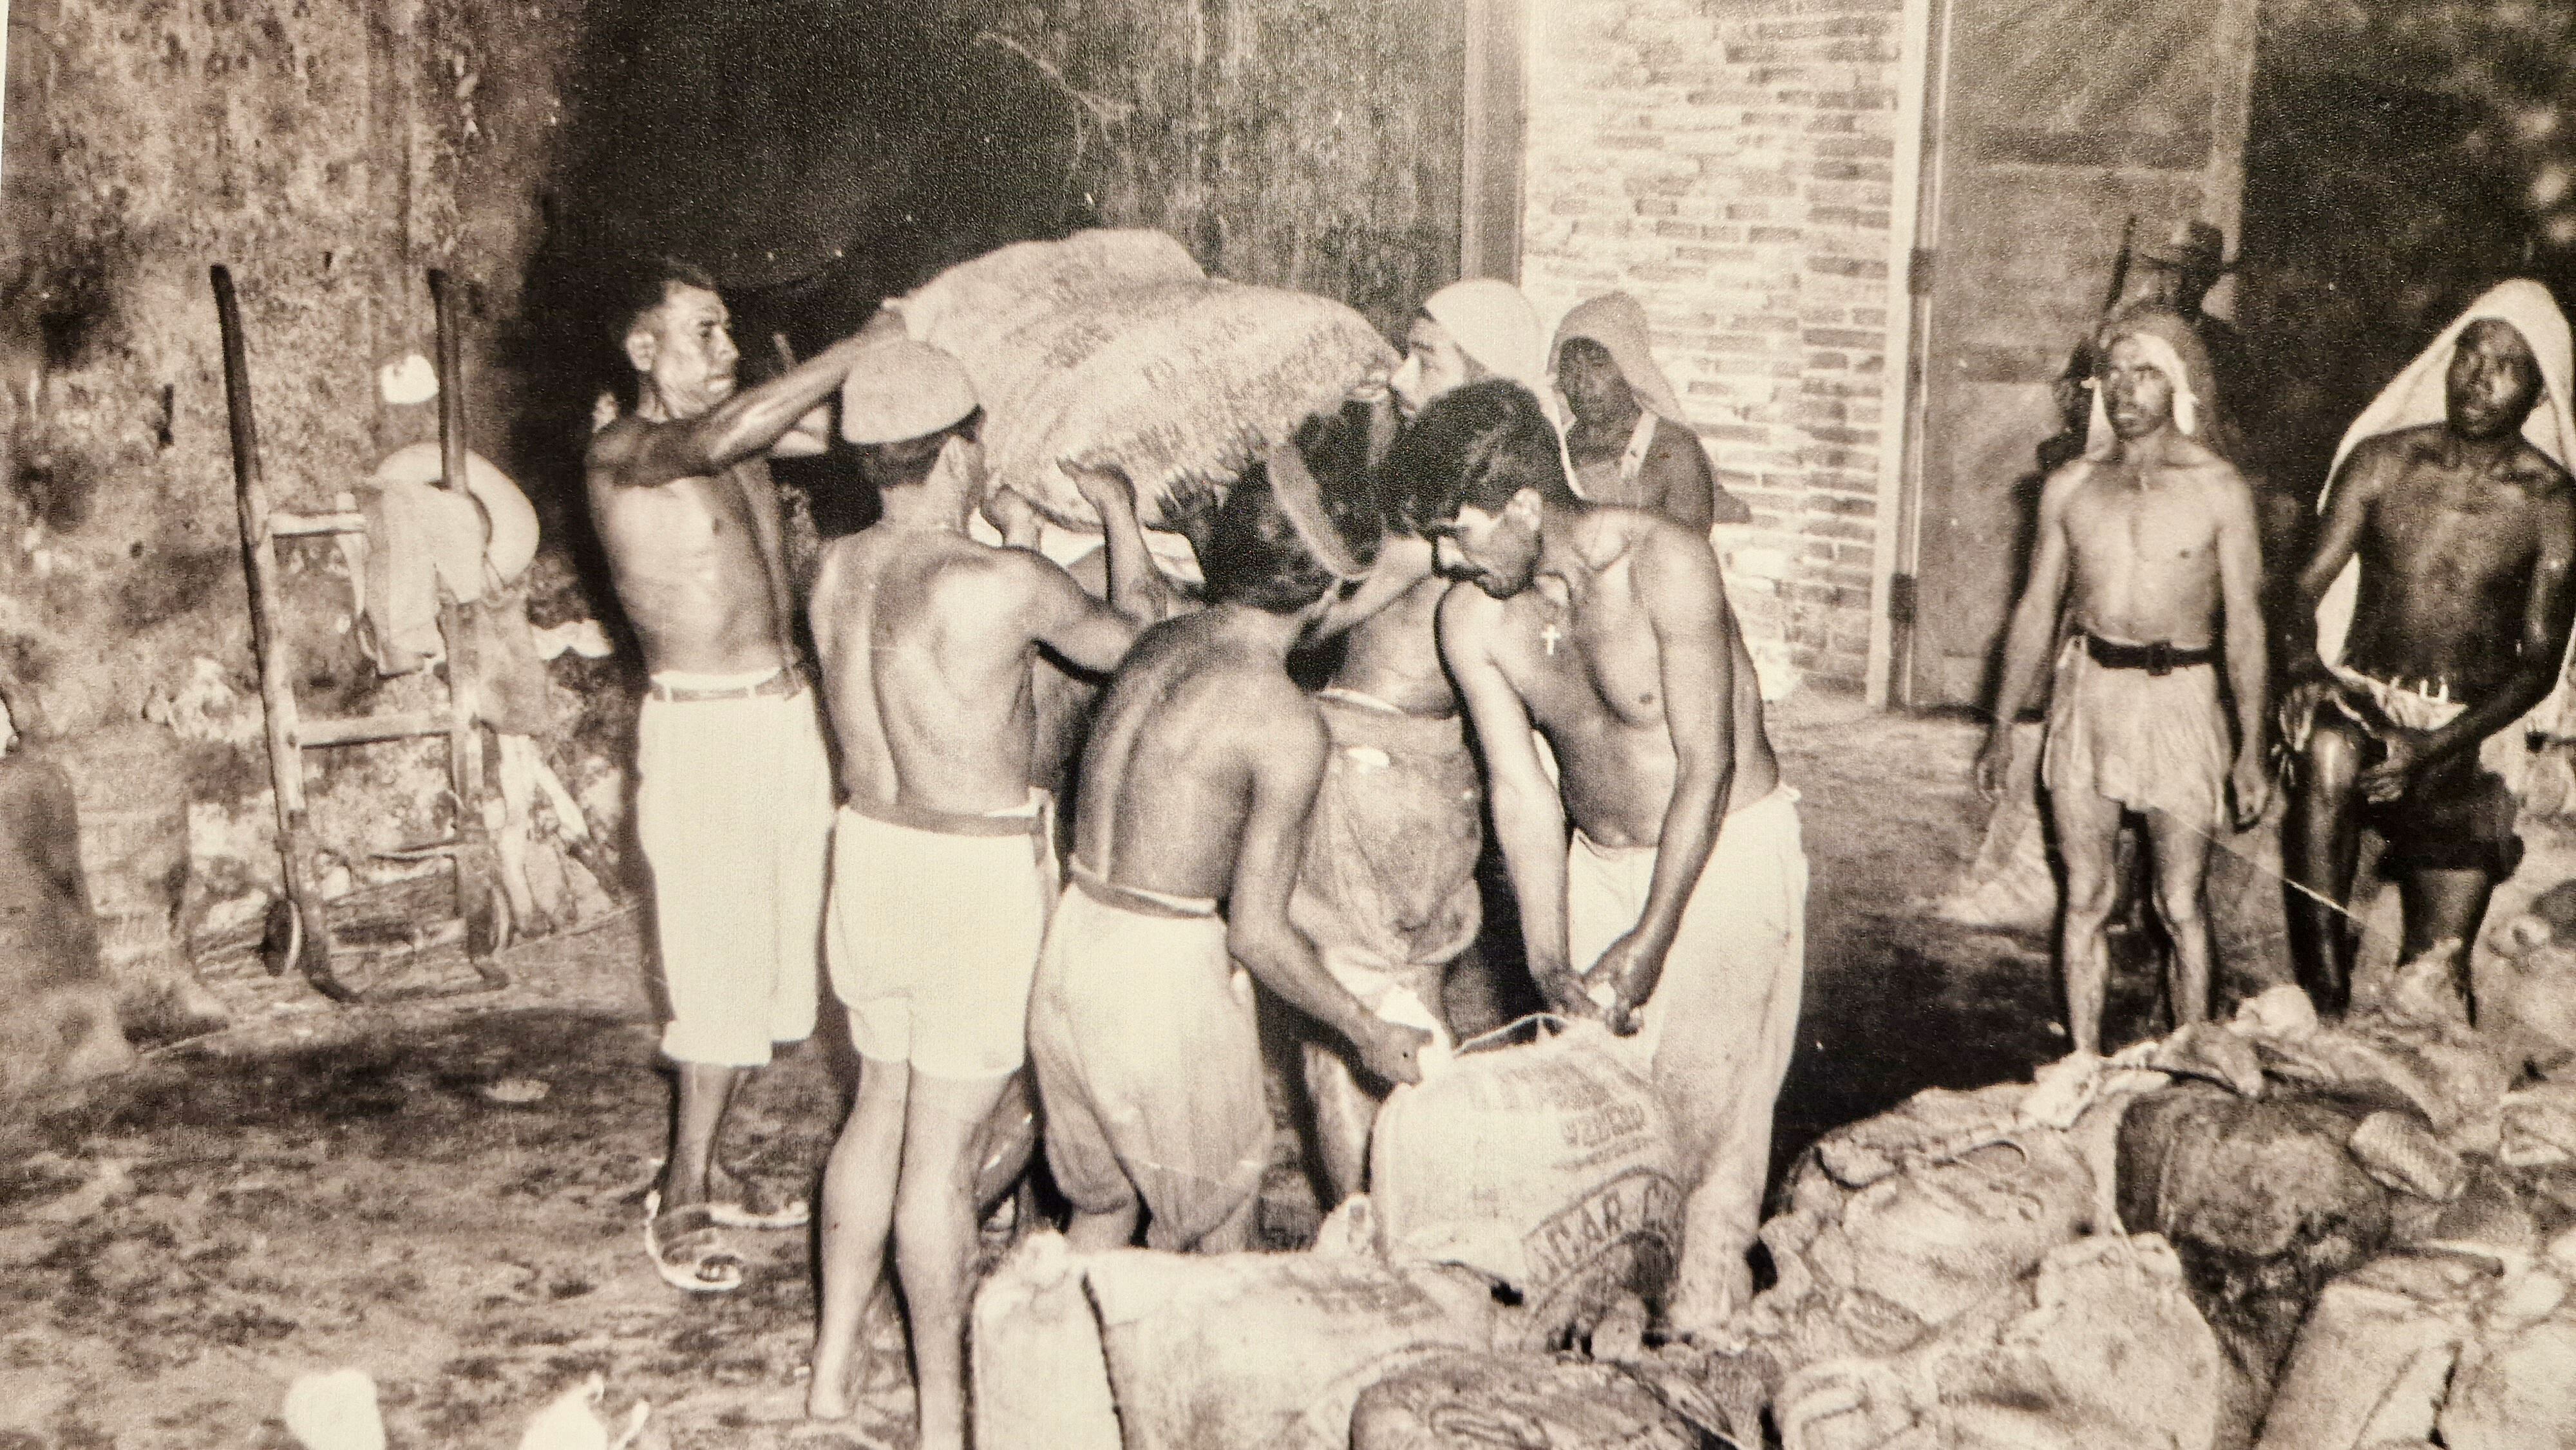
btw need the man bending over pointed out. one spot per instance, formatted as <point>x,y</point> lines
<point>1679,912</point>
<point>2450,500</point>
<point>1196,785</point>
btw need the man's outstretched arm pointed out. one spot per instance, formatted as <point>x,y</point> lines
<point>2033,632</point>
<point>1287,765</point>
<point>742,426</point>
<point>1686,605</point>
<point>1529,815</point>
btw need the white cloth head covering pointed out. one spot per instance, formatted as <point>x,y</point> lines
<point>899,389</point>
<point>2172,349</point>
<point>2417,397</point>
<point>1494,324</point>
<point>1617,321</point>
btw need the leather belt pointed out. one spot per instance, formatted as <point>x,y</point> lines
<point>2162,657</point>
<point>784,685</point>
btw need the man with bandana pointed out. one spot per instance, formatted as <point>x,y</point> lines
<point>2148,548</point>
<point>2439,592</point>
<point>1628,442</point>
<point>1197,784</point>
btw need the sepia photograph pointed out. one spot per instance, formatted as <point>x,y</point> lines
<point>1332,724</point>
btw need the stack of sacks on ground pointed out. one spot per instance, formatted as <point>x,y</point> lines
<point>1526,1197</point>
<point>2255,1160</point>
<point>1112,346</point>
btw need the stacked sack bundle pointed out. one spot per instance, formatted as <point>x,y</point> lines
<point>2125,1252</point>
<point>1112,346</point>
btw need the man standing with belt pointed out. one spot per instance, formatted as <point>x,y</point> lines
<point>733,801</point>
<point>2148,542</point>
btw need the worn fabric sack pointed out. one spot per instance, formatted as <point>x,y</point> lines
<point>1546,1166</point>
<point>1039,1381</point>
<point>1252,1351</point>
<point>1528,1402</point>
<point>1113,347</point>
<point>2100,1349</point>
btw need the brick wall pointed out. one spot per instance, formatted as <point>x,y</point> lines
<point>1729,162</point>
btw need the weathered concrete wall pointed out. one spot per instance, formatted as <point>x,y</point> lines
<point>1729,163</point>
<point>327,155</point>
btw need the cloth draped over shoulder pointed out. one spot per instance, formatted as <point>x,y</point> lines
<point>1617,321</point>
<point>2416,398</point>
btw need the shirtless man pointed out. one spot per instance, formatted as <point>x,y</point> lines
<point>1387,891</point>
<point>733,803</point>
<point>1196,785</point>
<point>943,865</point>
<point>1678,911</point>
<point>2152,538</point>
<point>2464,533</point>
<point>1628,443</point>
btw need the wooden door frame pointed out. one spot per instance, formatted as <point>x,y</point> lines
<point>1913,227</point>
<point>1490,190</point>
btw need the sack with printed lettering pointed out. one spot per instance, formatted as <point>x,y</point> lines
<point>1546,1166</point>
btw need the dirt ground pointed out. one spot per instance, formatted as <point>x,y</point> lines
<point>323,1187</point>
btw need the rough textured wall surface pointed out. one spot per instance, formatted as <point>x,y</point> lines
<point>1729,163</point>
<point>327,154</point>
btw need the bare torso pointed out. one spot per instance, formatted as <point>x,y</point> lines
<point>1589,671</point>
<point>1394,655</point>
<point>2142,545</point>
<point>1167,774</point>
<point>2448,551</point>
<point>696,561</point>
<point>926,668</point>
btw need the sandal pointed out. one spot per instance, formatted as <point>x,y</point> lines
<point>688,1251</point>
<point>748,1208</point>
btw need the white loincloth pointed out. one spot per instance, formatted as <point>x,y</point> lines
<point>1716,1035</point>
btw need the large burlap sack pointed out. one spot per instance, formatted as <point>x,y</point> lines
<point>2262,1199</point>
<point>2373,1362</point>
<point>1112,347</point>
<point>1252,1351</point>
<point>1546,1166</point>
<point>1040,1380</point>
<point>1899,1223</point>
<point>2515,1385</point>
<point>1527,1402</point>
<point>2100,1349</point>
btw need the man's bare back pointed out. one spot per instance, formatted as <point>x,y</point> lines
<point>927,641</point>
<point>2450,550</point>
<point>1393,656</point>
<point>1169,773</point>
<point>1589,671</point>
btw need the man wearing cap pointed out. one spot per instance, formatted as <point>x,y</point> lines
<point>943,863</point>
<point>733,802</point>
<point>2149,539</point>
<point>1628,443</point>
<point>2439,599</point>
<point>1196,787</point>
<point>1677,912</point>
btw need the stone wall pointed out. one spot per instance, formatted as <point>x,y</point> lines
<point>327,155</point>
<point>1729,162</point>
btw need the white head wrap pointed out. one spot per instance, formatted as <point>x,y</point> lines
<point>2164,357</point>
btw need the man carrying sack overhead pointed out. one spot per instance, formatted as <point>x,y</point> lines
<point>943,860</point>
<point>2439,598</point>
